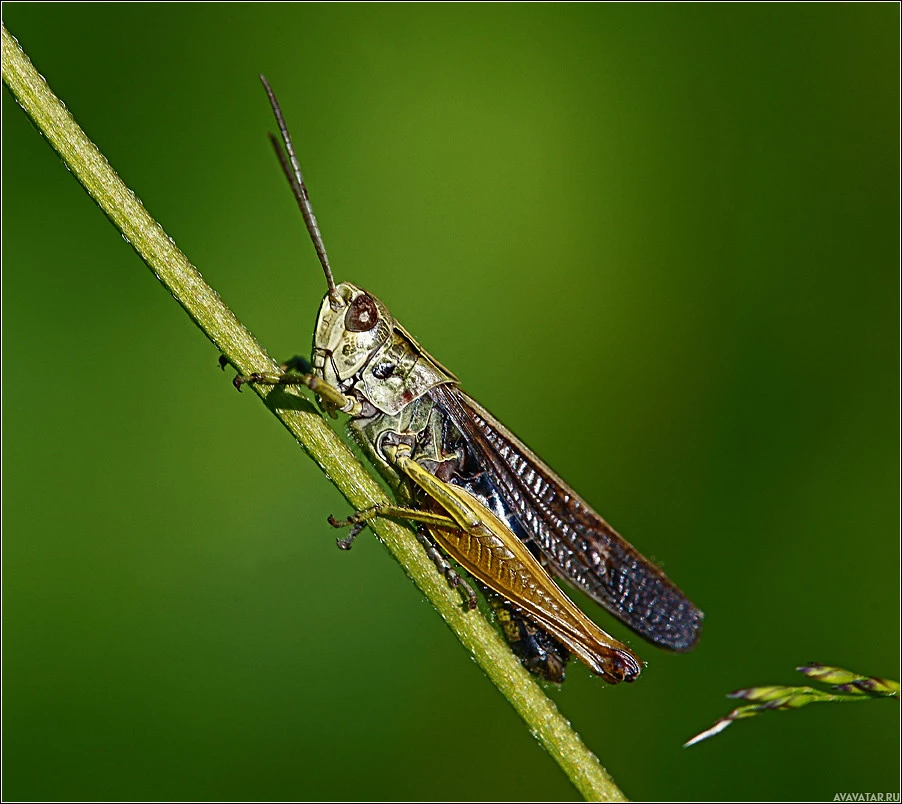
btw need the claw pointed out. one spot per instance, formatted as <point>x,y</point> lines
<point>346,542</point>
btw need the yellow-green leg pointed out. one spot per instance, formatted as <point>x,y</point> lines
<point>357,522</point>
<point>332,398</point>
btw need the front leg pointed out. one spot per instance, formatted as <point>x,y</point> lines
<point>331,397</point>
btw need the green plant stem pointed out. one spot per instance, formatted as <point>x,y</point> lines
<point>311,431</point>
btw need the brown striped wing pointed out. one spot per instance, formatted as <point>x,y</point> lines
<point>580,547</point>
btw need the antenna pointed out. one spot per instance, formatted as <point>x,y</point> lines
<point>289,162</point>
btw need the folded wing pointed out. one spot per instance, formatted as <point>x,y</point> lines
<point>580,547</point>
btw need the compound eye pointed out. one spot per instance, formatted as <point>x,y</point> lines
<point>362,315</point>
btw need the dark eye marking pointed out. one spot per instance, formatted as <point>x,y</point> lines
<point>362,315</point>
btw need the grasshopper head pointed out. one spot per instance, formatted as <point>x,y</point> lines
<point>351,326</point>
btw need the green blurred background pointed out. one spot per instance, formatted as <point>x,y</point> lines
<point>688,214</point>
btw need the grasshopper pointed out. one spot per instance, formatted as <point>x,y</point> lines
<point>477,493</point>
